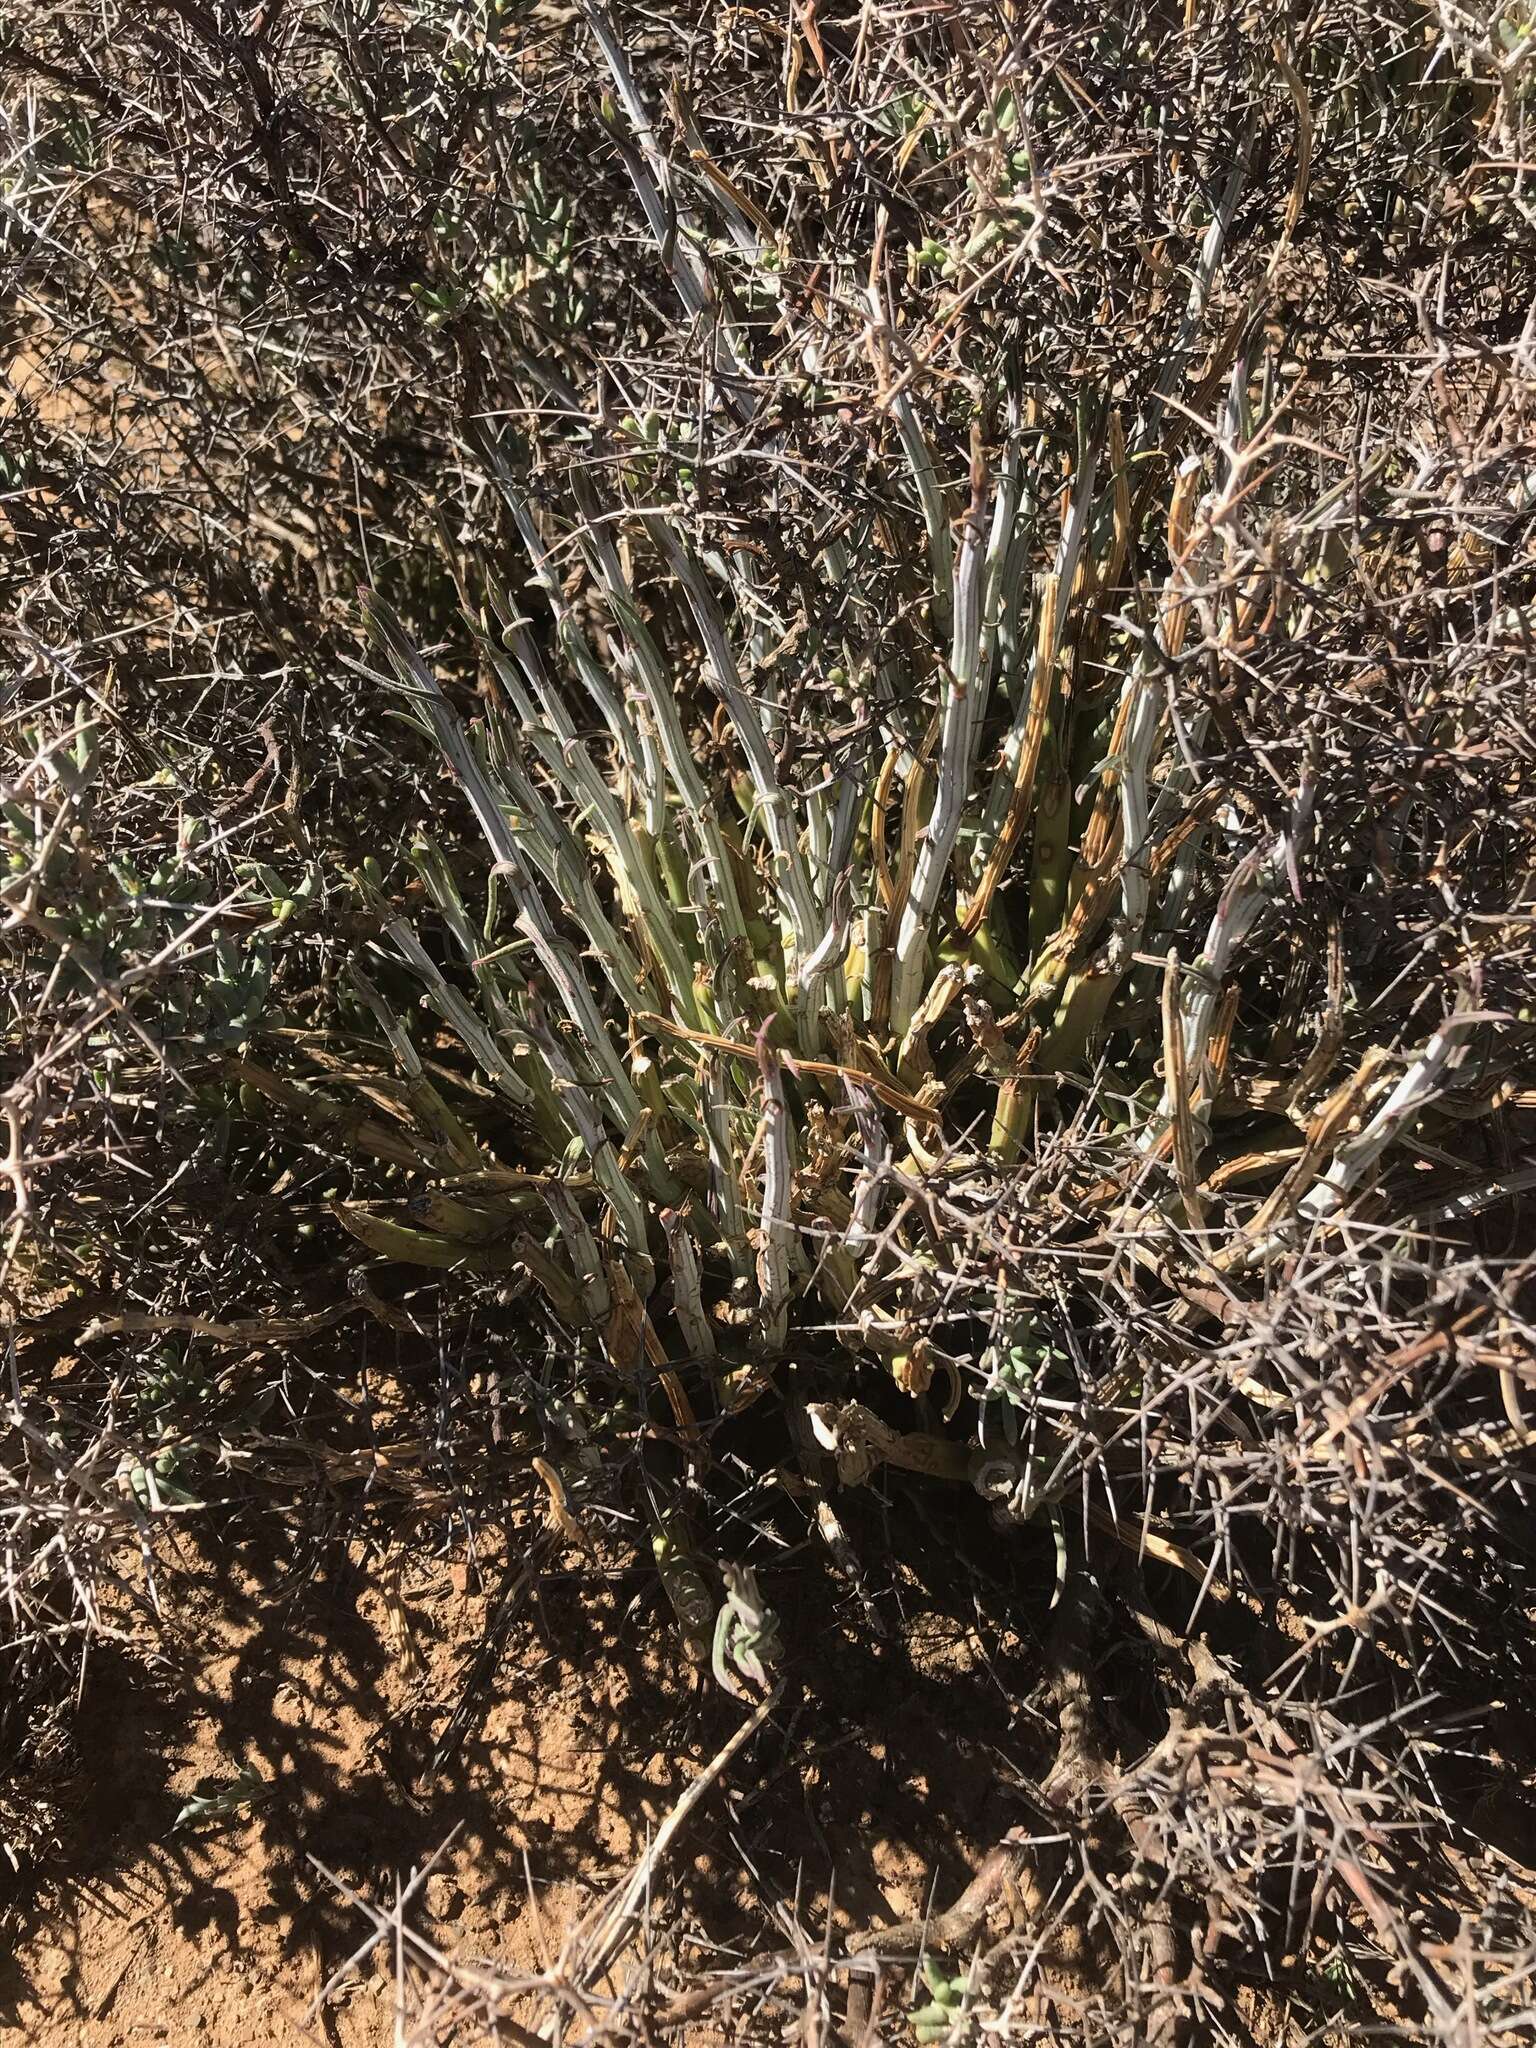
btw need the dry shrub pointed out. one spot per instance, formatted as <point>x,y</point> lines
<point>1003,948</point>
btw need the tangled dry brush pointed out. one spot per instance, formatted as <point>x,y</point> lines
<point>927,862</point>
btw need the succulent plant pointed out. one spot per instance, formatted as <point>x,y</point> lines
<point>773,1017</point>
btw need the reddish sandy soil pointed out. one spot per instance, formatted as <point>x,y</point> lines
<point>332,1675</point>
